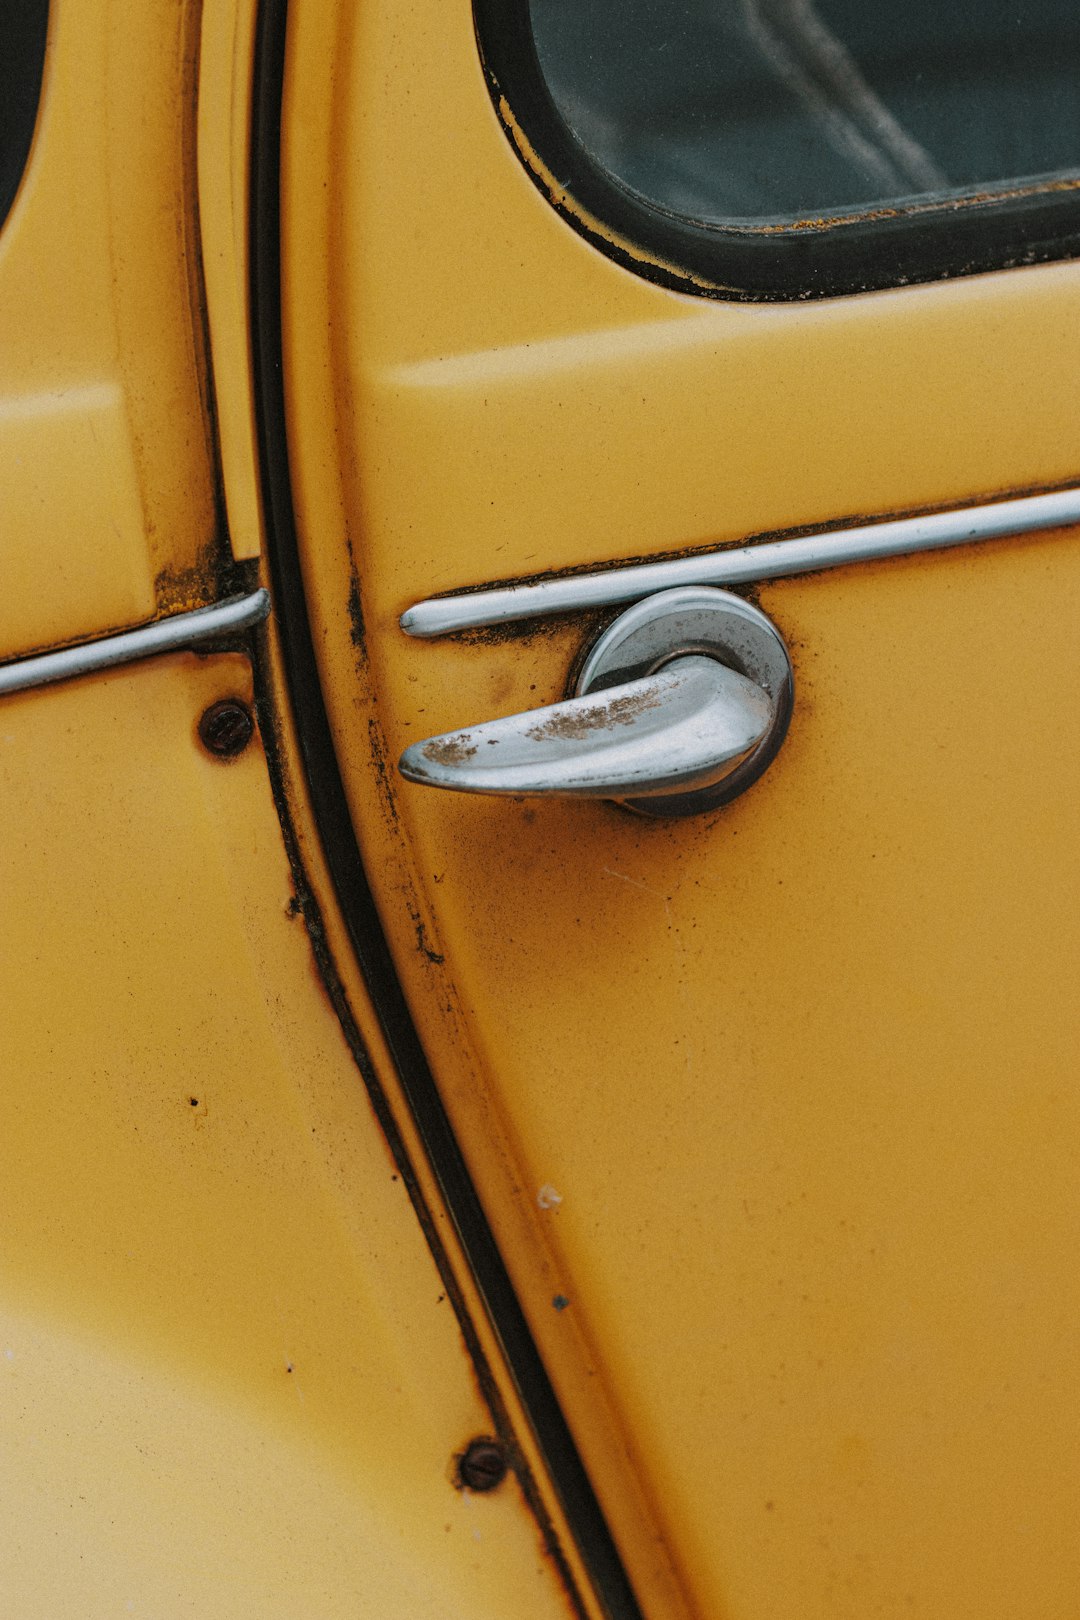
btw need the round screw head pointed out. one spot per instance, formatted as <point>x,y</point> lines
<point>482,1465</point>
<point>226,728</point>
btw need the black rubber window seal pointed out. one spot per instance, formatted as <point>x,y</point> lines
<point>861,253</point>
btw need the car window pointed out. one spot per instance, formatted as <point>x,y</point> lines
<point>22,58</point>
<point>736,120</point>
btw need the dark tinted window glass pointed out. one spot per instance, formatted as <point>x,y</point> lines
<point>747,112</point>
<point>22,56</point>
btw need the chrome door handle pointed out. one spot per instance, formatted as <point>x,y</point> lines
<point>681,704</point>
<point>684,728</point>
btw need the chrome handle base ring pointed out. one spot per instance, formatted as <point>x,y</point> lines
<point>699,619</point>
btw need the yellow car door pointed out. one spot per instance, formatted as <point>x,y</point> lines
<point>771,1108</point>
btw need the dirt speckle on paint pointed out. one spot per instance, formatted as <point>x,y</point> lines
<point>454,750</point>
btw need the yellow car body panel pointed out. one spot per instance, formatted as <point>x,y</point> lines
<point>105,440</point>
<point>800,1073</point>
<point>771,1113</point>
<point>233,1378</point>
<point>241,1351</point>
<point>226,73</point>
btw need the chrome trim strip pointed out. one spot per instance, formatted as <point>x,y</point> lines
<point>741,565</point>
<point>164,635</point>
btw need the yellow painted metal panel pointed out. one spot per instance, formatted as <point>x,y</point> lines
<point>226,66</point>
<point>467,313</point>
<point>128,1490</point>
<point>801,1073</point>
<point>72,545</point>
<point>108,505</point>
<point>233,1383</point>
<point>802,1078</point>
<point>702,428</point>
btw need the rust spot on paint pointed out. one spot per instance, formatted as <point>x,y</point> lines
<point>519,632</point>
<point>357,633</point>
<point>379,764</point>
<point>422,945</point>
<point>212,576</point>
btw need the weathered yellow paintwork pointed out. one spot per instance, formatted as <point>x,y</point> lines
<point>802,1073</point>
<point>226,62</point>
<point>233,1383</point>
<point>233,1379</point>
<point>108,466</point>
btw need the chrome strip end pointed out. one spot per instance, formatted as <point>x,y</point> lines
<point>162,635</point>
<point>743,565</point>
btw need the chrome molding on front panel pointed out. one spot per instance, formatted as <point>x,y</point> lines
<point>173,634</point>
<point>744,565</point>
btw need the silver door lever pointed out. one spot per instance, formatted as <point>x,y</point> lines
<point>685,727</point>
<point>681,704</point>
